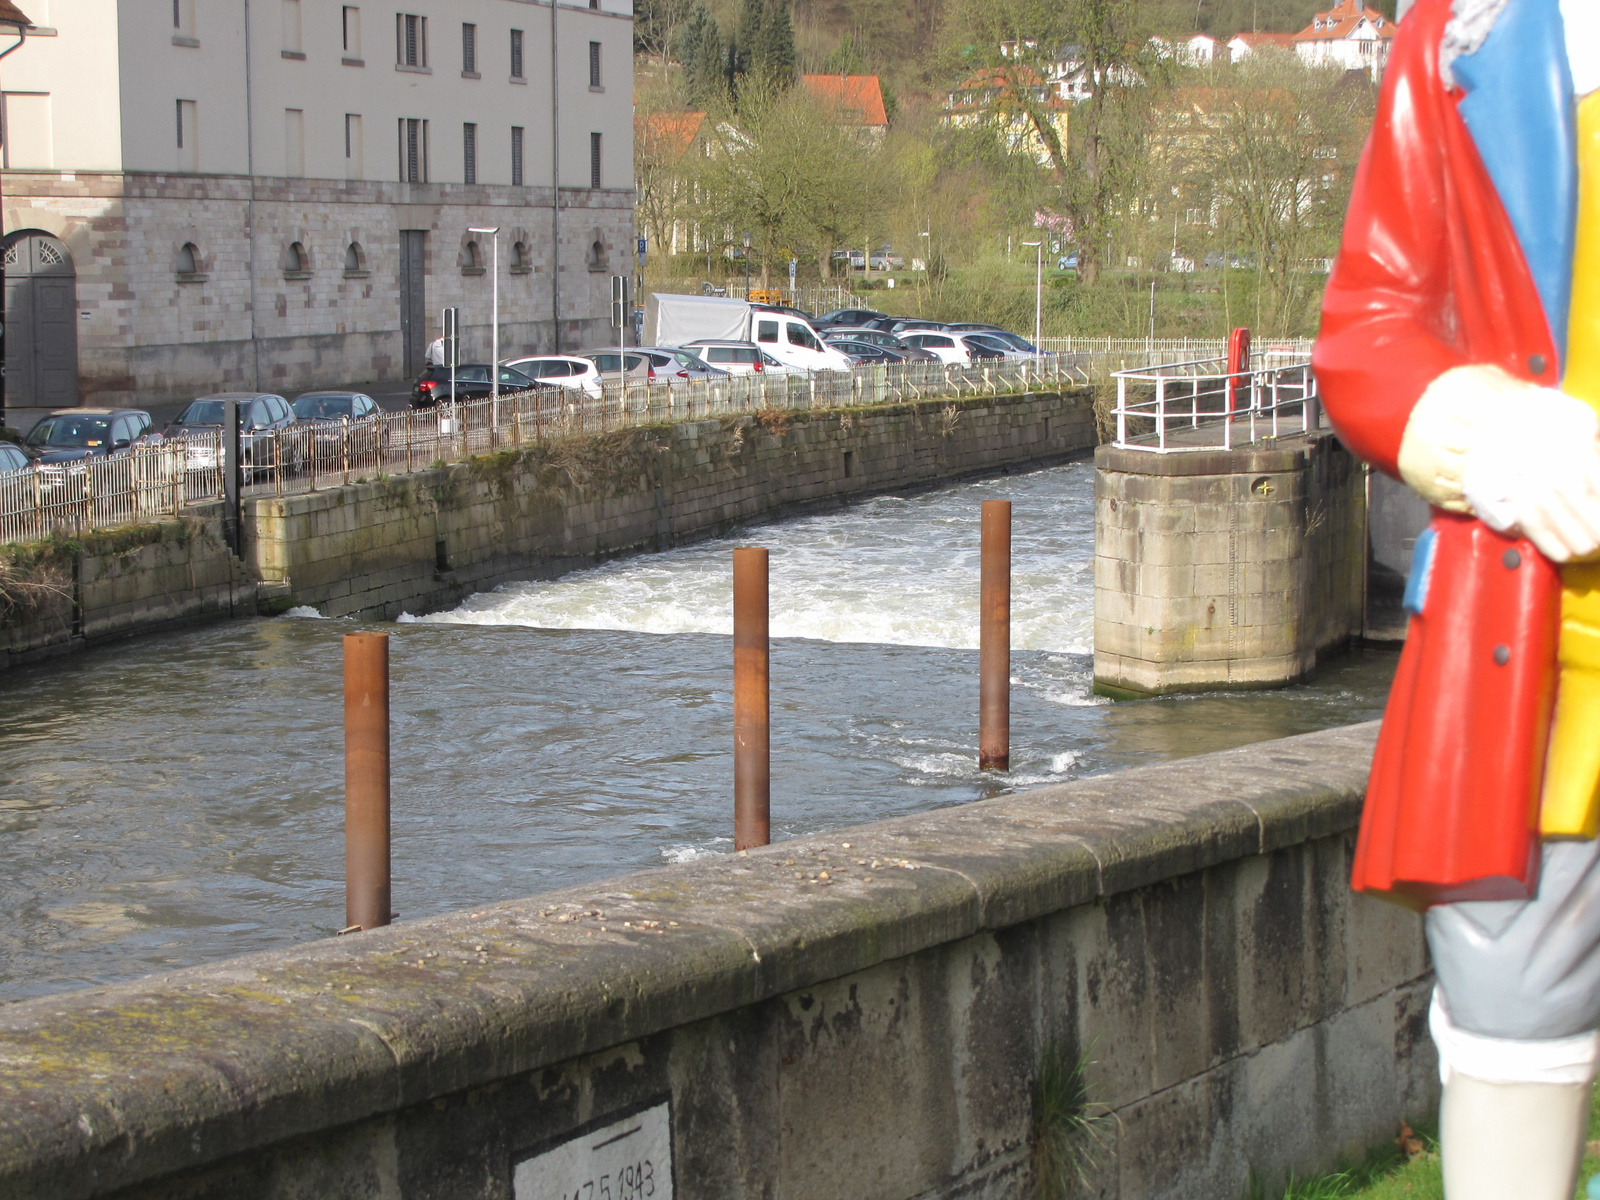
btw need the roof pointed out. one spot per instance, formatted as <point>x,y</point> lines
<point>673,132</point>
<point>1257,40</point>
<point>858,98</point>
<point>10,14</point>
<point>1344,19</point>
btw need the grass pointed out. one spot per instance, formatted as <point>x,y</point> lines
<point>1389,1175</point>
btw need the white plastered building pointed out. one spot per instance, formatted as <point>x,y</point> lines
<point>276,194</point>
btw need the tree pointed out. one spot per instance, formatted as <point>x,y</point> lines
<point>1036,53</point>
<point>774,49</point>
<point>704,57</point>
<point>658,26</point>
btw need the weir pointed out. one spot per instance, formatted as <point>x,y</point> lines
<point>892,1011</point>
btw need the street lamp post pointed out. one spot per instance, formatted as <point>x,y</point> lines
<point>1038,299</point>
<point>747,266</point>
<point>11,18</point>
<point>494,321</point>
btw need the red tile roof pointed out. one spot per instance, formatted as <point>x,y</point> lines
<point>1256,40</point>
<point>858,98</point>
<point>1341,20</point>
<point>673,132</point>
<point>10,14</point>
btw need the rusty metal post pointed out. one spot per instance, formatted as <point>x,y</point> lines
<point>994,639</point>
<point>366,780</point>
<point>752,733</point>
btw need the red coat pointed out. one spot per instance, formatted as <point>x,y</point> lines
<point>1431,276</point>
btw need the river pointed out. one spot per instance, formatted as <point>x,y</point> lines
<point>178,798</point>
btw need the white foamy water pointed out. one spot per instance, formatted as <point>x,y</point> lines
<point>892,570</point>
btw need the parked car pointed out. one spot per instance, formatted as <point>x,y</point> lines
<point>560,370</point>
<point>852,318</point>
<point>786,311</point>
<point>953,348</point>
<point>736,358</point>
<point>261,414</point>
<point>865,352</point>
<point>793,342</point>
<point>877,337</point>
<point>13,459</point>
<point>675,365</point>
<point>903,325</point>
<point>611,363</point>
<point>1067,262</point>
<point>998,344</point>
<point>339,417</point>
<point>76,434</point>
<point>471,383</point>
<point>972,327</point>
<point>1016,341</point>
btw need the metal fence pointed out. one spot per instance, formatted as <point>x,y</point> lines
<point>1200,406</point>
<point>162,479</point>
<point>146,482</point>
<point>1103,357</point>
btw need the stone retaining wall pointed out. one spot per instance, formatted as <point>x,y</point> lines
<point>878,1012</point>
<point>111,583</point>
<point>423,541</point>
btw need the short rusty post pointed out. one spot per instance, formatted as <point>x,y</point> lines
<point>994,639</point>
<point>752,733</point>
<point>366,780</point>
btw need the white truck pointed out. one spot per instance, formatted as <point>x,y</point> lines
<point>671,321</point>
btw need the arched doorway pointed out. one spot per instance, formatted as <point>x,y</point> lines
<point>41,317</point>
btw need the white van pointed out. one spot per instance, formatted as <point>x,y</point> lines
<point>795,344</point>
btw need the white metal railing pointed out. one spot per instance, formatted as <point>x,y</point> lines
<point>163,478</point>
<point>1103,357</point>
<point>1199,405</point>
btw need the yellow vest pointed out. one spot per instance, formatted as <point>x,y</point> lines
<point>1572,772</point>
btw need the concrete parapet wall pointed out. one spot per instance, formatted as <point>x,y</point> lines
<point>111,583</point>
<point>1225,568</point>
<point>423,541</point>
<point>862,1013</point>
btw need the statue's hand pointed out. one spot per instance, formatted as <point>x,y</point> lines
<point>1522,458</point>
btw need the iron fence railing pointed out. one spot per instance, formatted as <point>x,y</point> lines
<point>141,483</point>
<point>161,479</point>
<point>1103,357</point>
<point>1199,405</point>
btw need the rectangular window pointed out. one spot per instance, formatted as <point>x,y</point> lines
<point>413,150</point>
<point>354,154</point>
<point>516,155</point>
<point>516,54</point>
<point>188,135</point>
<point>411,40</point>
<point>469,153</point>
<point>469,49</point>
<point>291,29</point>
<point>183,19</point>
<point>350,28</point>
<point>294,142</point>
<point>594,160</point>
<point>594,64</point>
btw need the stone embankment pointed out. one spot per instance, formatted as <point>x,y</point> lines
<point>424,541</point>
<point>892,1011</point>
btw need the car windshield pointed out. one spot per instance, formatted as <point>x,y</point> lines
<point>204,412</point>
<point>322,408</point>
<point>514,378</point>
<point>70,431</point>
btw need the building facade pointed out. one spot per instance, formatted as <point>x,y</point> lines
<point>208,194</point>
<point>1350,36</point>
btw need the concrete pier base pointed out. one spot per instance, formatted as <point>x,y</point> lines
<point>1225,568</point>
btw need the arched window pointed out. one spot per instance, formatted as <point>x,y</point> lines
<point>352,257</point>
<point>471,255</point>
<point>597,255</point>
<point>296,262</point>
<point>471,259</point>
<point>188,259</point>
<point>520,261</point>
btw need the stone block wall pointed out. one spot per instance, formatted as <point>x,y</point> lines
<point>869,1012</point>
<point>423,541</point>
<point>147,334</point>
<point>1225,568</point>
<point>116,582</point>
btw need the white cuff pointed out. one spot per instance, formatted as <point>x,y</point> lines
<point>1507,1060</point>
<point>1454,414</point>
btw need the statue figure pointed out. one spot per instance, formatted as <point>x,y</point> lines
<point>1460,351</point>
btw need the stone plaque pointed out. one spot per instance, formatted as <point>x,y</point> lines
<point>629,1159</point>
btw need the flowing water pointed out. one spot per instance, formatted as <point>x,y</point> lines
<point>179,798</point>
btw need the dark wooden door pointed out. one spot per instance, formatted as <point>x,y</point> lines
<point>413,299</point>
<point>41,323</point>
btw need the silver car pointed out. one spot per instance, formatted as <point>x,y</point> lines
<point>674,365</point>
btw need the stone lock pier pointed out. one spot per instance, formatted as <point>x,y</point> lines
<point>1232,533</point>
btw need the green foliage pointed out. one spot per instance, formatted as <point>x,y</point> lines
<point>704,56</point>
<point>1069,1129</point>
